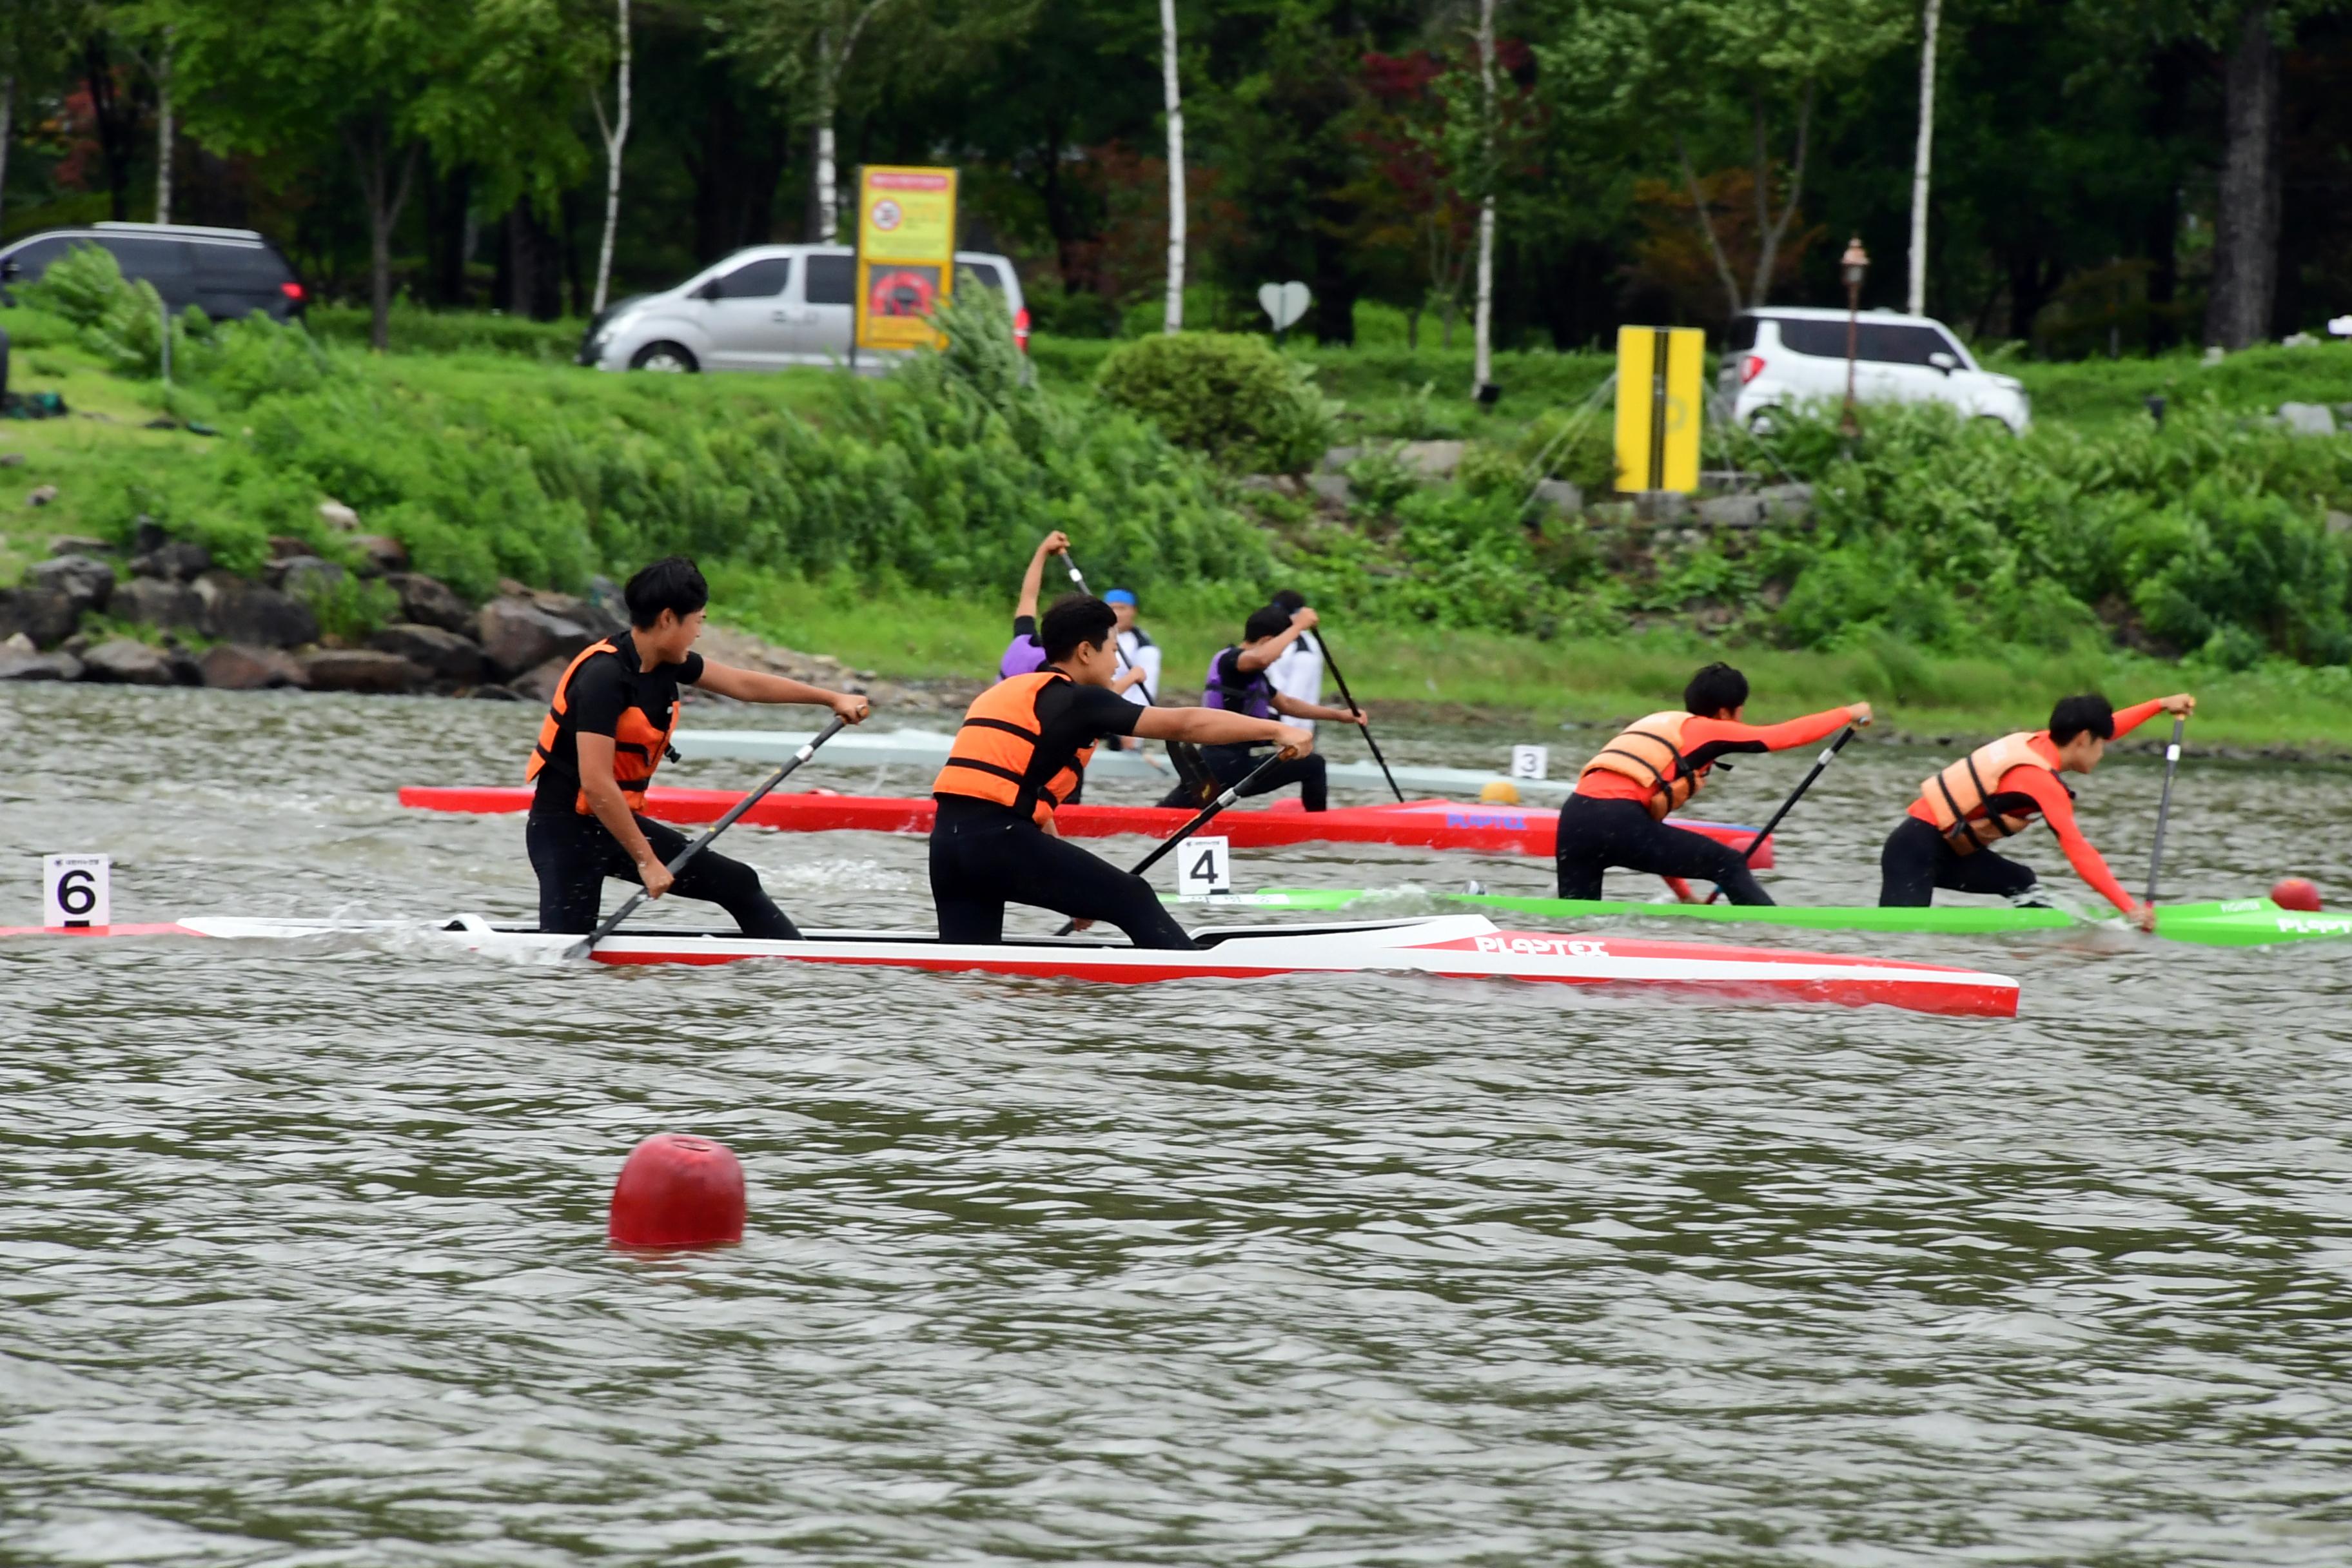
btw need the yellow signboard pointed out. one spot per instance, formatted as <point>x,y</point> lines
<point>906,255</point>
<point>1658,408</point>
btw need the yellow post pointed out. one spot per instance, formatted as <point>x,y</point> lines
<point>905,254</point>
<point>1658,408</point>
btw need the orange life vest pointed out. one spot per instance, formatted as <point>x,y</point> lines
<point>1956,797</point>
<point>1649,752</point>
<point>637,747</point>
<point>996,749</point>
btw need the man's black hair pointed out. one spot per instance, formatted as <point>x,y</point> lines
<point>1718,689</point>
<point>2073,715</point>
<point>673,582</point>
<point>1268,621</point>
<point>1072,619</point>
<point>1290,601</point>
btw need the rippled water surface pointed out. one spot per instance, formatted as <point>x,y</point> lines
<point>301,1254</point>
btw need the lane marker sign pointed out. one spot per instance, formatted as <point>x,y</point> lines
<point>74,892</point>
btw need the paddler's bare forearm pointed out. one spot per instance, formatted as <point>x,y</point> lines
<point>1214,727</point>
<point>754,686</point>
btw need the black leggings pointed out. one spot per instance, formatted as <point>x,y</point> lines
<point>983,858</point>
<point>573,854</point>
<point>1917,861</point>
<point>1596,835</point>
<point>1230,764</point>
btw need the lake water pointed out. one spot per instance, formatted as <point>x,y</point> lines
<point>301,1254</point>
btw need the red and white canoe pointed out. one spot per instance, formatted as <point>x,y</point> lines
<point>1422,824</point>
<point>1448,946</point>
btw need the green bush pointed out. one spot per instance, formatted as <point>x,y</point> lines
<point>1231,397</point>
<point>119,321</point>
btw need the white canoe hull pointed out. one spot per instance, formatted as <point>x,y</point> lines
<point>1448,946</point>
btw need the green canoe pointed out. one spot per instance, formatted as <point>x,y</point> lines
<point>2234,922</point>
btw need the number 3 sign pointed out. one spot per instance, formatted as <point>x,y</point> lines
<point>74,890</point>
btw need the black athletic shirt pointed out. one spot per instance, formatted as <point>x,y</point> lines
<point>1068,716</point>
<point>601,689</point>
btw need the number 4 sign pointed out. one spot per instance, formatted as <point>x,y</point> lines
<point>1203,866</point>
<point>74,890</point>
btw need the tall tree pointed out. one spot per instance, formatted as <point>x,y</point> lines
<point>614,131</point>
<point>380,81</point>
<point>1916,296</point>
<point>1173,320</point>
<point>2246,206</point>
<point>36,37</point>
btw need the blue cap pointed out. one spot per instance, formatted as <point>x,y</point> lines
<point>1119,597</point>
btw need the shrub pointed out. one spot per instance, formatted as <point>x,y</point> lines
<point>1231,397</point>
<point>121,321</point>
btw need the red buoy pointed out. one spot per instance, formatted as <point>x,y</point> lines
<point>677,1191</point>
<point>2296,893</point>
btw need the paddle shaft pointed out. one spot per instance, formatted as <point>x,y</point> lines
<point>1348,697</point>
<point>1231,794</point>
<point>629,905</point>
<point>2164,804</point>
<point>1078,577</point>
<point>1820,764</point>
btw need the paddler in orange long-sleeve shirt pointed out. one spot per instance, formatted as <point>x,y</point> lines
<point>1615,818</point>
<point>1995,792</point>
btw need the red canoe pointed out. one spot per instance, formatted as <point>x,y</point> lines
<point>1424,823</point>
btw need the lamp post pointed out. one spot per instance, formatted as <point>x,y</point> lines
<point>1856,264</point>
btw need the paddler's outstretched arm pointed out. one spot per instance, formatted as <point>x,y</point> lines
<point>1216,727</point>
<point>1704,740</point>
<point>2057,809</point>
<point>1032,582</point>
<point>756,685</point>
<point>2138,713</point>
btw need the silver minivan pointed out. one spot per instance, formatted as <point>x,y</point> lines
<point>769,307</point>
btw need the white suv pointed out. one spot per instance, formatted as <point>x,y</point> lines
<point>1781,356</point>
<point>766,308</point>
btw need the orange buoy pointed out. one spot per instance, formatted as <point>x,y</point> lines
<point>1498,792</point>
<point>2296,893</point>
<point>677,1191</point>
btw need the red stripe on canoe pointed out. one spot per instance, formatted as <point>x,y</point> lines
<point>1427,825</point>
<point>1990,1000</point>
<point>164,930</point>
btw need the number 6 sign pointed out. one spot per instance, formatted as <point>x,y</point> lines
<point>74,890</point>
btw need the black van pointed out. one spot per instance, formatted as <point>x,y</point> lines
<point>226,273</point>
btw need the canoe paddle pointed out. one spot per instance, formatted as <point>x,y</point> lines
<point>2164,805</point>
<point>1348,697</point>
<point>1232,794</point>
<point>1789,804</point>
<point>587,944</point>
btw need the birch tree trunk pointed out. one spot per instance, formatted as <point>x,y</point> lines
<point>828,194</point>
<point>164,132</point>
<point>616,137</point>
<point>1482,368</point>
<point>1174,319</point>
<point>1915,300</point>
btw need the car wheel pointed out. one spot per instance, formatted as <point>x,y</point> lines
<point>672,357</point>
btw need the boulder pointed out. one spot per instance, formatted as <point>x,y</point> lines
<point>177,560</point>
<point>236,667</point>
<point>519,634</point>
<point>338,516</point>
<point>160,602</point>
<point>1431,460</point>
<point>78,544</point>
<point>45,616</point>
<point>286,547</point>
<point>429,603</point>
<point>17,664</point>
<point>85,579</point>
<point>129,663</point>
<point>1561,495</point>
<point>239,611</point>
<point>304,577</point>
<point>41,495</point>
<point>1332,488</point>
<point>2307,418</point>
<point>602,621</point>
<point>362,670</point>
<point>539,685</point>
<point>147,534</point>
<point>12,460</point>
<point>381,553</point>
<point>1335,460</point>
<point>449,656</point>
